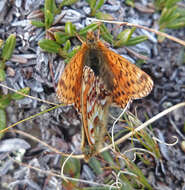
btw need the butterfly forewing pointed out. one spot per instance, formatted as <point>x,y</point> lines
<point>130,82</point>
<point>69,85</point>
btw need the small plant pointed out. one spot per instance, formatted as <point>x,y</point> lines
<point>130,3</point>
<point>58,41</point>
<point>95,5</point>
<point>49,11</point>
<point>172,16</point>
<point>5,101</point>
<point>67,3</point>
<point>6,53</point>
<point>7,50</point>
<point>61,43</point>
<point>72,167</point>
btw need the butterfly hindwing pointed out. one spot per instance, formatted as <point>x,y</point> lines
<point>95,103</point>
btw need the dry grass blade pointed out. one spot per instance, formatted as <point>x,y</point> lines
<point>182,42</point>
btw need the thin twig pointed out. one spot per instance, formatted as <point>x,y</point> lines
<point>45,144</point>
<point>142,27</point>
<point>28,118</point>
<point>175,127</point>
<point>59,176</point>
<point>34,98</point>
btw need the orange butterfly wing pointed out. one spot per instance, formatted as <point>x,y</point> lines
<point>130,82</point>
<point>69,85</point>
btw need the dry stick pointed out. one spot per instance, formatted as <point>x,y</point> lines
<point>50,173</point>
<point>150,121</point>
<point>38,140</point>
<point>45,144</point>
<point>40,100</point>
<point>142,27</point>
<point>28,118</point>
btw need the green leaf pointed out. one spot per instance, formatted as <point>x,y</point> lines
<point>49,46</point>
<point>91,27</point>
<point>95,165</point>
<point>2,121</point>
<point>178,23</point>
<point>103,16</point>
<point>136,40</point>
<point>181,11</point>
<point>106,34</point>
<point>2,75</point>
<point>48,19</point>
<point>49,6</point>
<point>126,184</point>
<point>67,46</point>
<point>108,158</point>
<point>173,16</point>
<point>70,29</point>
<point>140,177</point>
<point>69,55</point>
<point>37,23</point>
<point>123,37</point>
<point>160,38</point>
<point>163,16</point>
<point>92,4</point>
<point>16,96</point>
<point>167,15</point>
<point>61,37</point>
<point>130,3</point>
<point>95,5</point>
<point>171,3</point>
<point>49,12</point>
<point>99,4</point>
<point>67,3</point>
<point>72,168</point>
<point>8,47</point>
<point>159,4</point>
<point>5,101</point>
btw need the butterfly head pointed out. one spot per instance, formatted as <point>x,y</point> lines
<point>91,40</point>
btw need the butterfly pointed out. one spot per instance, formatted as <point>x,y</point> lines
<point>122,80</point>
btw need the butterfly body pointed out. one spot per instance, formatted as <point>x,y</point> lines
<point>94,58</point>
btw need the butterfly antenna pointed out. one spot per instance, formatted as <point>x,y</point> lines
<point>98,34</point>
<point>78,36</point>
